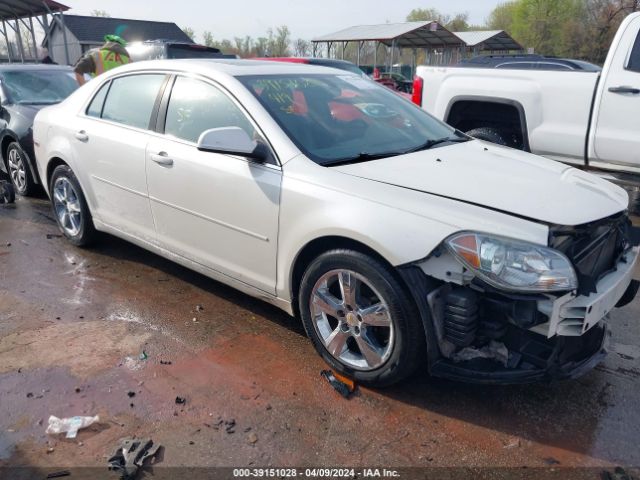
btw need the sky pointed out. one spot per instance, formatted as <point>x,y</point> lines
<point>305,18</point>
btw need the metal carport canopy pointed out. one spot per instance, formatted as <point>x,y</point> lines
<point>12,9</point>
<point>491,39</point>
<point>428,34</point>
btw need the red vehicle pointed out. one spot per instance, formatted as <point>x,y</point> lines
<point>339,64</point>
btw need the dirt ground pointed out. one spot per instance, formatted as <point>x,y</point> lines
<point>74,322</point>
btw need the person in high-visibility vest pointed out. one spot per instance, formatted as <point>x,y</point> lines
<point>99,60</point>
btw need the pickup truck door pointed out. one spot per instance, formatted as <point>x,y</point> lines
<point>616,135</point>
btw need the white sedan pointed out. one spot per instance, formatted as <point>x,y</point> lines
<point>399,242</point>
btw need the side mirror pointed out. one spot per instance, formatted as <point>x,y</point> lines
<point>232,141</point>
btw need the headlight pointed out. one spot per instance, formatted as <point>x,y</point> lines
<point>513,264</point>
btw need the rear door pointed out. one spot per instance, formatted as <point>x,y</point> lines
<point>617,129</point>
<point>110,142</point>
<point>220,211</point>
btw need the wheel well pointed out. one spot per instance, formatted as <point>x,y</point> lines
<point>5,146</point>
<point>317,247</point>
<point>53,163</point>
<point>509,118</point>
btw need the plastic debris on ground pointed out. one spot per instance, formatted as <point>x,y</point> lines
<point>181,400</point>
<point>343,385</point>
<point>69,425</point>
<point>494,350</point>
<point>130,456</point>
<point>60,474</point>
<point>143,355</point>
<point>7,194</point>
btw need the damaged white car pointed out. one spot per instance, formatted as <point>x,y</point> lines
<point>401,243</point>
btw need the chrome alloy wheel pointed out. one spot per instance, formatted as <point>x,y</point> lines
<point>67,206</point>
<point>17,170</point>
<point>352,320</point>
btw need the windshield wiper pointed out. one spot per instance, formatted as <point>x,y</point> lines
<point>361,157</point>
<point>437,141</point>
<point>51,102</point>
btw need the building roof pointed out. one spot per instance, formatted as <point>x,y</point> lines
<point>489,39</point>
<point>93,29</point>
<point>427,34</point>
<point>12,9</point>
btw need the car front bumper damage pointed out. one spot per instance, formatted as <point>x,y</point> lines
<point>517,338</point>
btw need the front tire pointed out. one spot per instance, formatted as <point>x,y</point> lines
<point>70,207</point>
<point>19,171</point>
<point>360,318</point>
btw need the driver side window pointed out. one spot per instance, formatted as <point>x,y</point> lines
<point>196,106</point>
<point>634,58</point>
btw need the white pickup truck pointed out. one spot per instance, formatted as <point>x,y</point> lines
<point>587,119</point>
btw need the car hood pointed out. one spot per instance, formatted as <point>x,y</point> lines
<point>27,111</point>
<point>499,178</point>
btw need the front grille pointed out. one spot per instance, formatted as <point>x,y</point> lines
<point>594,248</point>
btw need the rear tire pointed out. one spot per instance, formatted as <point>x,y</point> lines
<point>70,207</point>
<point>370,332</point>
<point>489,134</point>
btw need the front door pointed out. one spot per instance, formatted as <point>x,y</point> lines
<point>218,210</point>
<point>617,129</point>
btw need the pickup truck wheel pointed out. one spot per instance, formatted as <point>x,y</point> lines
<point>70,207</point>
<point>488,134</point>
<point>360,318</point>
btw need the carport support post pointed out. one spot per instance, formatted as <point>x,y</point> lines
<point>358,57</point>
<point>328,49</point>
<point>375,55</point>
<point>344,46</point>
<point>19,40</point>
<point>6,39</point>
<point>33,41</point>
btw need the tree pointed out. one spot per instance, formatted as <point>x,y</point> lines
<point>501,18</point>
<point>207,39</point>
<point>279,41</point>
<point>458,23</point>
<point>189,32</point>
<point>100,13</point>
<point>301,48</point>
<point>261,47</point>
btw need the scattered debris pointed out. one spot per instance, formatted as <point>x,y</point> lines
<point>7,194</point>
<point>342,385</point>
<point>199,308</point>
<point>69,425</point>
<point>78,389</point>
<point>131,394</point>
<point>191,442</point>
<point>29,395</point>
<point>130,456</point>
<point>512,443</point>
<point>165,362</point>
<point>132,405</point>
<point>53,235</point>
<point>494,350</point>
<point>618,473</point>
<point>252,438</point>
<point>551,461</point>
<point>230,426</point>
<point>181,400</point>
<point>61,473</point>
<point>50,450</point>
<point>143,355</point>
<point>269,407</point>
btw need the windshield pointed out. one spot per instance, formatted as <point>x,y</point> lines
<point>38,87</point>
<point>338,118</point>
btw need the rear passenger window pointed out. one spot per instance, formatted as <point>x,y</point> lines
<point>634,59</point>
<point>95,108</point>
<point>131,99</point>
<point>196,106</point>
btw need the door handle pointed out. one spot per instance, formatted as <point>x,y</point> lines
<point>161,158</point>
<point>625,89</point>
<point>82,136</point>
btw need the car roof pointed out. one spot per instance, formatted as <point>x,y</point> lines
<point>14,67</point>
<point>231,67</point>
